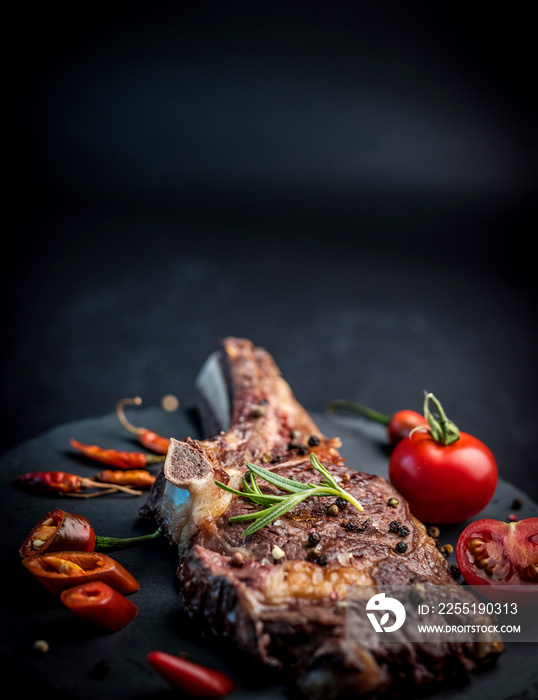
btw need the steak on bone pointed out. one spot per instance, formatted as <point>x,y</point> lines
<point>290,613</point>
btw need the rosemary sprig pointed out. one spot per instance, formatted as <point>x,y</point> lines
<point>280,504</point>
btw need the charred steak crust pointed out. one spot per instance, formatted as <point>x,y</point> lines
<point>280,593</point>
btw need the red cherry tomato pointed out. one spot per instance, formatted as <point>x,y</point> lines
<point>443,483</point>
<point>402,423</point>
<point>495,554</point>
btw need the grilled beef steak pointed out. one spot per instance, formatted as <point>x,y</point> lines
<point>290,611</point>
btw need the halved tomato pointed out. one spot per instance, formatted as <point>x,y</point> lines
<point>495,555</point>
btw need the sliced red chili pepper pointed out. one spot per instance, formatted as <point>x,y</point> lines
<point>191,678</point>
<point>121,459</point>
<point>59,531</point>
<point>66,484</point>
<point>140,478</point>
<point>60,570</point>
<point>99,604</point>
<point>146,437</point>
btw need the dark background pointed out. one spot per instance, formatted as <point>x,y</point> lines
<point>349,184</point>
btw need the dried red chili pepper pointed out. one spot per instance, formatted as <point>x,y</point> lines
<point>62,531</point>
<point>140,478</point>
<point>100,604</point>
<point>146,437</point>
<point>60,570</point>
<point>193,679</point>
<point>121,459</point>
<point>66,484</point>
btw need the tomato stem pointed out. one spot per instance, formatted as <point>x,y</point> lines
<point>443,430</point>
<point>357,408</point>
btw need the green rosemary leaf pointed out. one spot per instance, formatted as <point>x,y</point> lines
<point>254,482</point>
<point>275,512</point>
<point>277,480</point>
<point>230,489</point>
<point>249,516</point>
<point>261,498</point>
<point>314,461</point>
<point>278,505</point>
<point>248,489</point>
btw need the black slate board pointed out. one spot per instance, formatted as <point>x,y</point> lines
<point>77,653</point>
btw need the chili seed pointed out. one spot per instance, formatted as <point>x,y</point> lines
<point>393,502</point>
<point>401,547</point>
<point>314,538</point>
<point>313,440</point>
<point>277,552</point>
<point>41,647</point>
<point>333,510</point>
<point>433,531</point>
<point>447,550</point>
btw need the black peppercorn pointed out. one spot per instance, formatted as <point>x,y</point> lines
<point>314,538</point>
<point>401,547</point>
<point>322,560</point>
<point>341,503</point>
<point>101,669</point>
<point>399,529</point>
<point>313,440</point>
<point>456,573</point>
<point>353,527</point>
